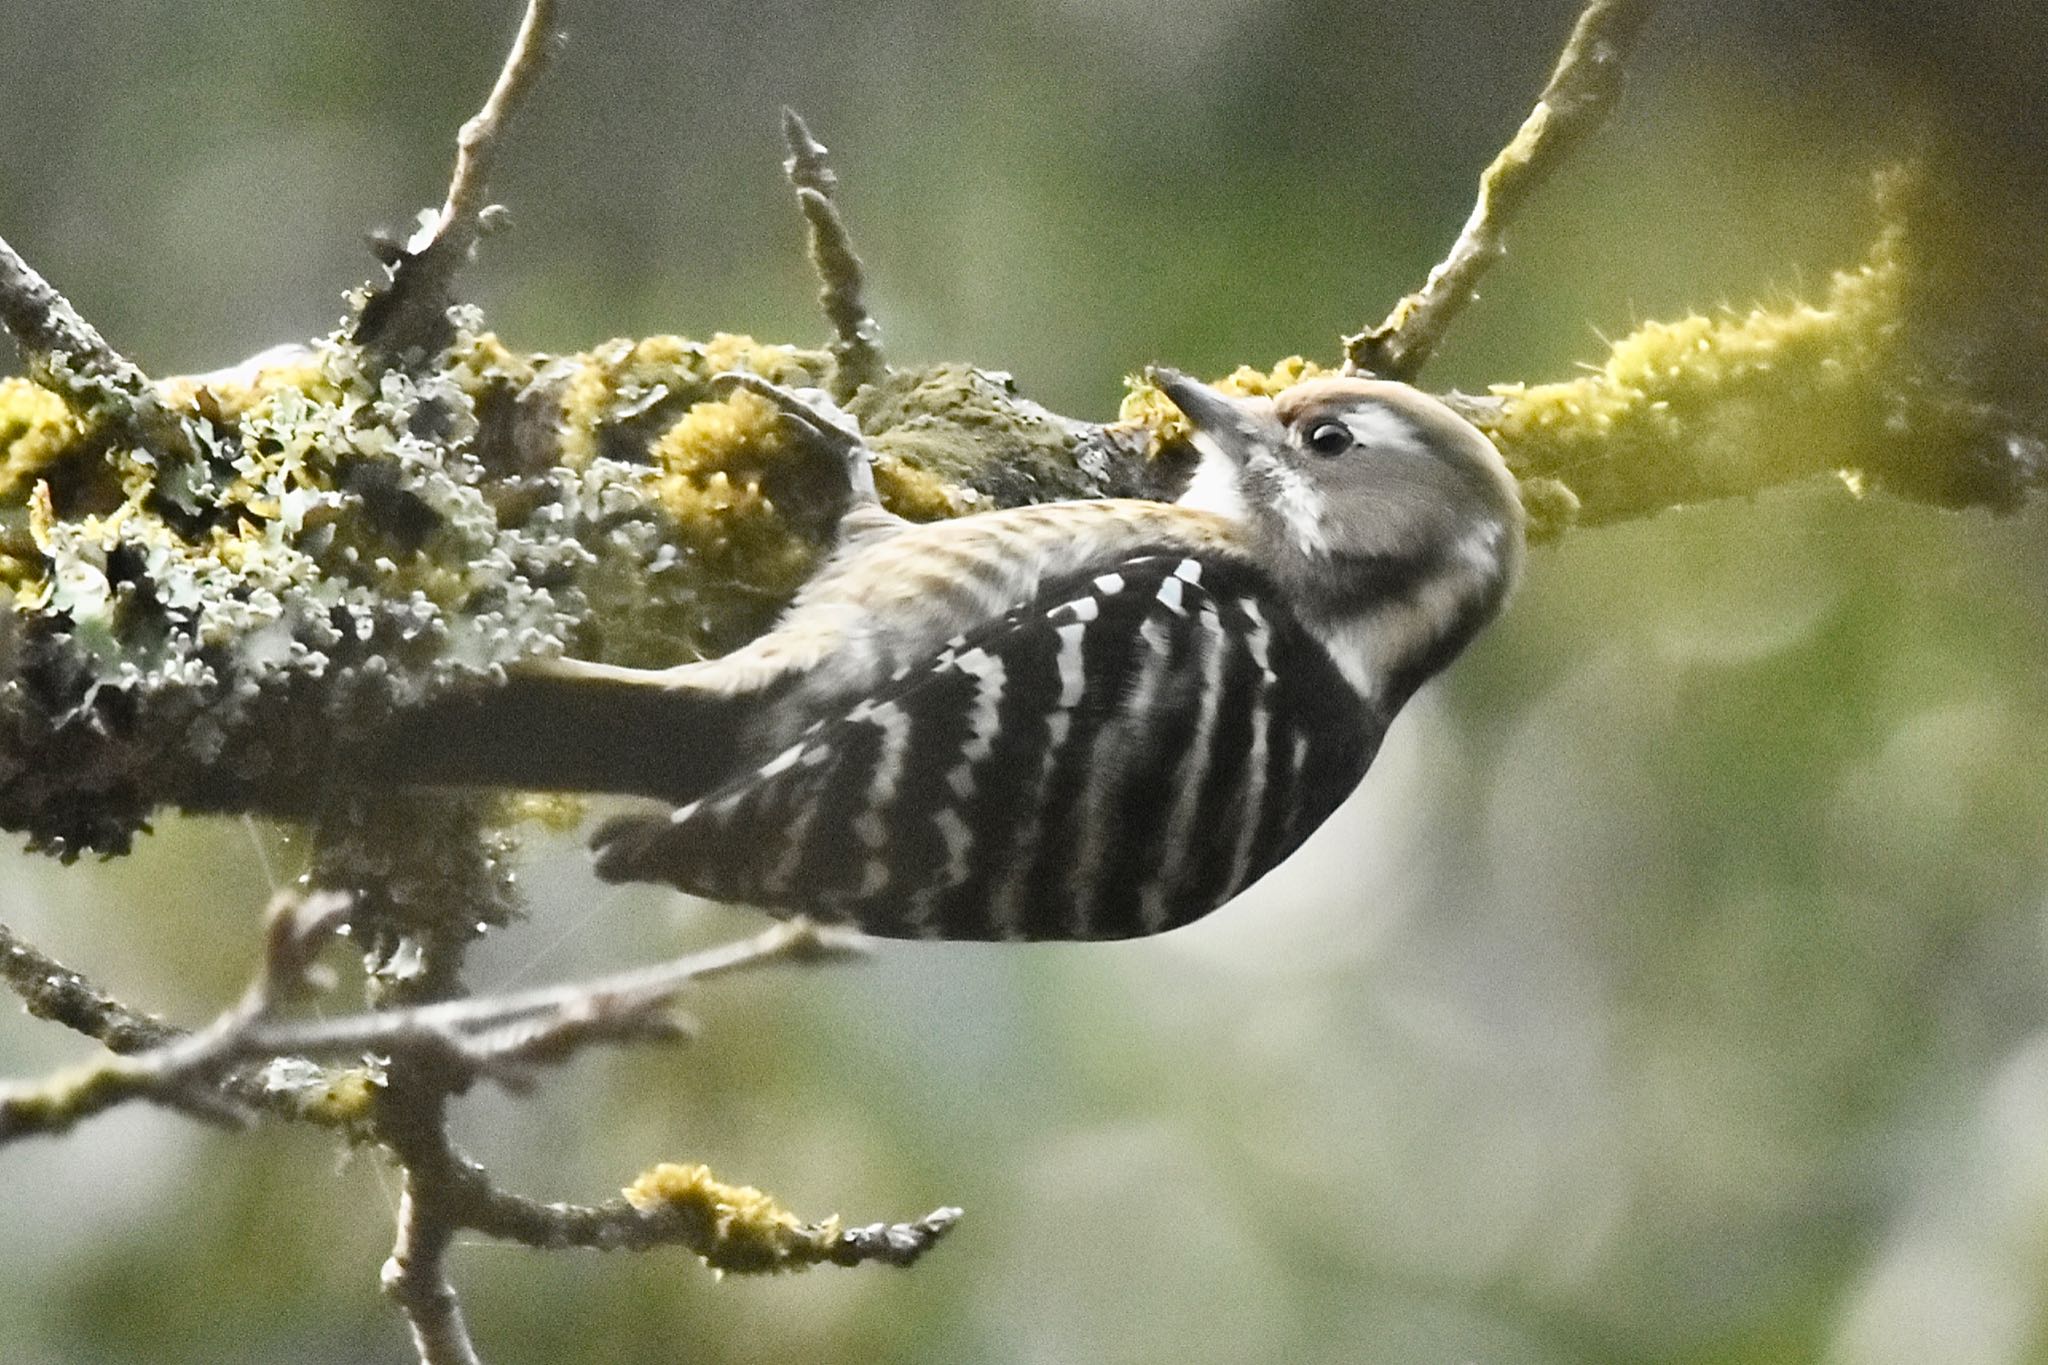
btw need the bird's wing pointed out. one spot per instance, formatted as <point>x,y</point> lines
<point>1115,757</point>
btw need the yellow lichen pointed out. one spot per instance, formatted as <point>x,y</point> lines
<point>1145,405</point>
<point>342,1097</point>
<point>910,490</point>
<point>556,812</point>
<point>778,364</point>
<point>229,395</point>
<point>1552,508</point>
<point>479,361</point>
<point>37,429</point>
<point>734,1228</point>
<point>712,465</point>
<point>1712,404</point>
<point>626,386</point>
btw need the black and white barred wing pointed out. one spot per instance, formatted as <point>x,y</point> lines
<point>1115,758</point>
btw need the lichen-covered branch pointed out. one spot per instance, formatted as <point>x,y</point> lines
<point>1582,89</point>
<point>185,1071</point>
<point>857,344</point>
<point>98,389</point>
<point>733,1229</point>
<point>146,1049</point>
<point>50,990</point>
<point>57,344</point>
<point>426,1054</point>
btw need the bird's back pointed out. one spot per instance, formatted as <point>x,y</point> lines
<point>1117,755</point>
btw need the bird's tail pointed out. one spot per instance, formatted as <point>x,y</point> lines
<point>565,725</point>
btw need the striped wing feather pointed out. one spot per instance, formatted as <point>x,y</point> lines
<point>1117,757</point>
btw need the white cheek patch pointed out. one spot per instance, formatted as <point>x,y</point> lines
<point>1381,428</point>
<point>1214,487</point>
<point>1300,508</point>
<point>1481,549</point>
<point>1370,649</point>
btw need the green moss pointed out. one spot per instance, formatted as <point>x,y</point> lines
<point>953,438</point>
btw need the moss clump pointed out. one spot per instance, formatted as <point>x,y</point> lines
<point>953,438</point>
<point>713,466</point>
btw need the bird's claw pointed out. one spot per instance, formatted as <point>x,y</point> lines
<point>824,420</point>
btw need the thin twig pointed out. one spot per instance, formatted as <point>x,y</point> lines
<point>410,312</point>
<point>416,1279</point>
<point>463,1040</point>
<point>580,1010</point>
<point>412,1121</point>
<point>1584,86</point>
<point>44,324</point>
<point>857,348</point>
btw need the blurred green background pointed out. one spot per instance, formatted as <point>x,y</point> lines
<point>1674,991</point>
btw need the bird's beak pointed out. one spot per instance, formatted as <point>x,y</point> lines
<point>1232,427</point>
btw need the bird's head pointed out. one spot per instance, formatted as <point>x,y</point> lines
<point>1363,497</point>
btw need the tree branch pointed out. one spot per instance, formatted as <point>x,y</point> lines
<point>67,355</point>
<point>50,990</point>
<point>736,1229</point>
<point>858,344</point>
<point>496,1037</point>
<point>1583,87</point>
<point>379,523</point>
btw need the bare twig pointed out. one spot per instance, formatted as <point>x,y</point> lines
<point>436,1050</point>
<point>50,990</point>
<point>858,347</point>
<point>410,312</point>
<point>464,1040</point>
<point>412,1120</point>
<point>1583,88</point>
<point>44,325</point>
<point>181,1070</point>
<point>416,1280</point>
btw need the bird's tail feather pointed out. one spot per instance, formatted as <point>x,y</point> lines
<point>627,848</point>
<point>566,726</point>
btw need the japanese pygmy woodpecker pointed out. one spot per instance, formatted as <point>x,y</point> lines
<point>1079,720</point>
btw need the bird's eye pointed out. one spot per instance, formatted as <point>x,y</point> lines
<point>1331,438</point>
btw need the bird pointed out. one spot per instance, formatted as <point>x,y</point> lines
<point>1081,720</point>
